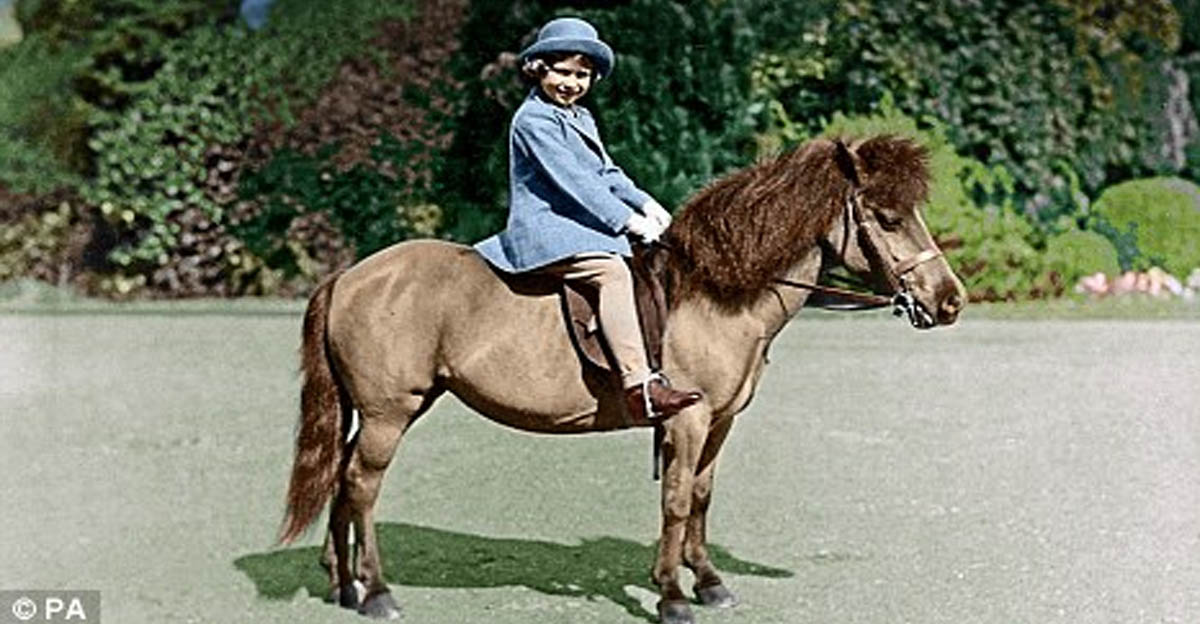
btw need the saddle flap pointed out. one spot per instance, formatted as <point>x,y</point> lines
<point>650,295</point>
<point>583,326</point>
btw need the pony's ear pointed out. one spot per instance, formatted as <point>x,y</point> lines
<point>845,162</point>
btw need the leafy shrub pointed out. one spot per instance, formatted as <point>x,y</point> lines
<point>32,240</point>
<point>1042,89</point>
<point>84,21</point>
<point>1157,220</point>
<point>357,170</point>
<point>80,56</point>
<point>362,201</point>
<point>1075,254</point>
<point>1190,65</point>
<point>210,87</point>
<point>677,108</point>
<point>41,124</point>
<point>52,237</point>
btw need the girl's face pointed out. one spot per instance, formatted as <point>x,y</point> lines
<point>567,80</point>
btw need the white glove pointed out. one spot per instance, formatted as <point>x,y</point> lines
<point>655,211</point>
<point>644,227</point>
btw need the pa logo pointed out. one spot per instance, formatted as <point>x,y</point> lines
<point>53,607</point>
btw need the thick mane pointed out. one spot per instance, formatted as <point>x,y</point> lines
<point>742,231</point>
<point>897,172</point>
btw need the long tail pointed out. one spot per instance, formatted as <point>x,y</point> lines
<point>320,438</point>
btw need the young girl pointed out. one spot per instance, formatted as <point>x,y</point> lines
<point>571,207</point>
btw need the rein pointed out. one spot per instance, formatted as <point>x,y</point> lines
<point>864,300</point>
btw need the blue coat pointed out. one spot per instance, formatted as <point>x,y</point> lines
<point>566,196</point>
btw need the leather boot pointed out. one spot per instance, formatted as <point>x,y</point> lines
<point>663,400</point>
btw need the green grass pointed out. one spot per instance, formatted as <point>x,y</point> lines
<point>33,297</point>
<point>974,474</point>
<point>1135,307</point>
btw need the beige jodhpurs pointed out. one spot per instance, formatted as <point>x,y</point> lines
<point>608,275</point>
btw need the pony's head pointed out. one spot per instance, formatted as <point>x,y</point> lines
<point>858,202</point>
<point>881,235</point>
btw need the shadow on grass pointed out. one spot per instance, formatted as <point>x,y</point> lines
<point>425,557</point>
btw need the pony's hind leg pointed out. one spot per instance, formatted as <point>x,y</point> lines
<point>337,558</point>
<point>370,455</point>
<point>329,561</point>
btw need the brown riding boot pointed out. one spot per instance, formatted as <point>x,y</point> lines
<point>654,401</point>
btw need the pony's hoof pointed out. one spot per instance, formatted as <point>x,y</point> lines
<point>716,596</point>
<point>675,612</point>
<point>380,606</point>
<point>348,596</point>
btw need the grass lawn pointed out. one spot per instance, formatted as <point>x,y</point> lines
<point>1021,466</point>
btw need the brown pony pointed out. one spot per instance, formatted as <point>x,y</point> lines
<point>387,337</point>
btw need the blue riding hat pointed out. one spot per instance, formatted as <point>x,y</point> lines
<point>571,34</point>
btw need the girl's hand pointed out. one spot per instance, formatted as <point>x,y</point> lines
<point>645,228</point>
<point>655,211</point>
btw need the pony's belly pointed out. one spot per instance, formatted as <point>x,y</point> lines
<point>565,400</point>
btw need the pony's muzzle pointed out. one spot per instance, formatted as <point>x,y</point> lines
<point>948,309</point>
<point>925,311</point>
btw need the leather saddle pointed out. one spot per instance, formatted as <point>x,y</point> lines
<point>648,267</point>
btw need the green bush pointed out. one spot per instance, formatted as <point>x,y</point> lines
<point>41,123</point>
<point>362,201</point>
<point>141,23</point>
<point>212,86</point>
<point>53,238</point>
<point>677,111</point>
<point>1075,254</point>
<point>356,172</point>
<point>1156,220</point>
<point>32,239</point>
<point>80,57</point>
<point>1040,88</point>
<point>187,120</point>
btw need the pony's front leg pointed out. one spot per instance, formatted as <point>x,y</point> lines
<point>682,447</point>
<point>710,589</point>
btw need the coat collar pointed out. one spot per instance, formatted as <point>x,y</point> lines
<point>576,116</point>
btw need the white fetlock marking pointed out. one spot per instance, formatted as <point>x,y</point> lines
<point>354,427</point>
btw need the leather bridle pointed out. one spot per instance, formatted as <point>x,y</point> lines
<point>879,253</point>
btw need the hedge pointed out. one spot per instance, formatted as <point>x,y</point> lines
<point>1155,222</point>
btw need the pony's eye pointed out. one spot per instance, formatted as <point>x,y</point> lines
<point>890,221</point>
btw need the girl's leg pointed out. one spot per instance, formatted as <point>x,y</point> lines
<point>646,396</point>
<point>608,275</point>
